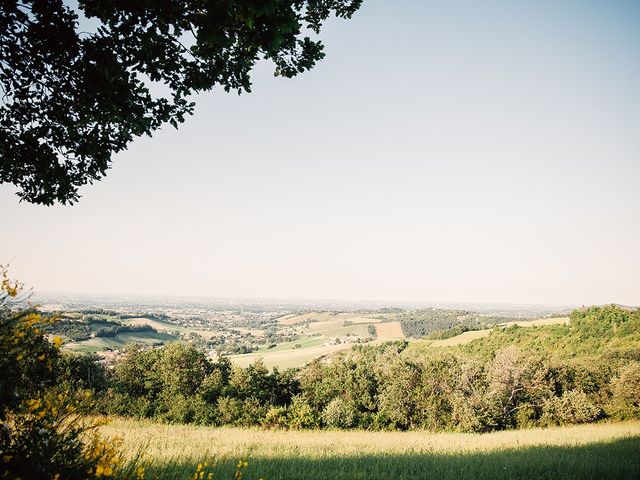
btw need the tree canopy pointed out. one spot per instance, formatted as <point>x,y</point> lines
<point>71,99</point>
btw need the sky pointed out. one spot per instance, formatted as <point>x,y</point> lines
<point>445,151</point>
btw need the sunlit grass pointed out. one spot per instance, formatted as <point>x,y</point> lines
<point>605,450</point>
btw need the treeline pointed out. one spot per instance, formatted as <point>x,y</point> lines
<point>114,330</point>
<point>82,329</point>
<point>160,317</point>
<point>436,323</point>
<point>395,386</point>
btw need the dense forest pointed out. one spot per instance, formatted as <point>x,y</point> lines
<point>516,377</point>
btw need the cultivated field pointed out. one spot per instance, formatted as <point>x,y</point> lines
<point>319,331</point>
<point>389,331</point>
<point>596,451</point>
<point>354,317</point>
<point>292,357</point>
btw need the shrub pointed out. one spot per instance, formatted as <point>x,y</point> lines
<point>276,417</point>
<point>573,406</point>
<point>301,415</point>
<point>339,414</point>
<point>228,410</point>
<point>626,392</point>
<point>42,434</point>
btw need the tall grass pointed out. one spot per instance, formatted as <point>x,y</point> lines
<point>581,452</point>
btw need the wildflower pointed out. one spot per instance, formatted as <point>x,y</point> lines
<point>140,473</point>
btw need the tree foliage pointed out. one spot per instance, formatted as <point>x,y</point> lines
<point>71,99</point>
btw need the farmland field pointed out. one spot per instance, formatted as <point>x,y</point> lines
<point>389,331</point>
<point>319,331</point>
<point>288,358</point>
<point>606,451</point>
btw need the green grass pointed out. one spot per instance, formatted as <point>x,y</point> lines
<point>304,342</point>
<point>602,451</point>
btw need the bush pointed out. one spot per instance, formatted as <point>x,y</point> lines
<point>276,417</point>
<point>573,406</point>
<point>626,392</point>
<point>42,434</point>
<point>301,415</point>
<point>339,414</point>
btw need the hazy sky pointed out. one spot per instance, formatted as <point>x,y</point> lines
<point>443,151</point>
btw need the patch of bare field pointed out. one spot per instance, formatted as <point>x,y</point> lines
<point>389,331</point>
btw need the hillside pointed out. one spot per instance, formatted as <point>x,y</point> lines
<point>552,373</point>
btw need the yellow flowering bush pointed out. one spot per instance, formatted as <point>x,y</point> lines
<point>43,433</point>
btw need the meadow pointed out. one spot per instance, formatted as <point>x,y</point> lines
<point>605,450</point>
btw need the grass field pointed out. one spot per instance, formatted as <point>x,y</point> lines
<point>600,451</point>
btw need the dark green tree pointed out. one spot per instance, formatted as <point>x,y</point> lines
<point>71,99</point>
